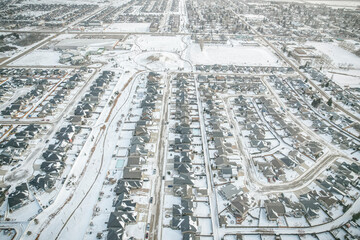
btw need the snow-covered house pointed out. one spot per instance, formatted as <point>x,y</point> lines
<point>45,182</point>
<point>19,197</point>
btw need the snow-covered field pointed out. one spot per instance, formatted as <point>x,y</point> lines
<point>61,2</point>
<point>128,27</point>
<point>331,3</point>
<point>339,56</point>
<point>160,43</point>
<point>160,61</point>
<point>335,3</point>
<point>39,57</point>
<point>254,17</point>
<point>238,55</point>
<point>349,78</point>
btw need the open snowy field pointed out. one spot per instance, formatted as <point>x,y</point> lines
<point>339,56</point>
<point>128,27</point>
<point>349,78</point>
<point>60,2</point>
<point>160,43</point>
<point>160,61</point>
<point>238,55</point>
<point>335,3</point>
<point>254,17</point>
<point>39,57</point>
<point>330,3</point>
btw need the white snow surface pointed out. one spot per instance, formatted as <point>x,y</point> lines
<point>39,57</point>
<point>237,55</point>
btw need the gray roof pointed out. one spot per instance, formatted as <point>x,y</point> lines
<point>229,191</point>
<point>183,179</point>
<point>274,209</point>
<point>131,173</point>
<point>187,224</point>
<point>118,219</point>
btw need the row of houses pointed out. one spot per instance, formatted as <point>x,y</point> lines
<point>22,102</point>
<point>333,190</point>
<point>338,93</point>
<point>51,14</point>
<point>39,85</point>
<point>344,182</point>
<point>14,146</point>
<point>216,134</point>
<point>274,19</point>
<point>55,155</point>
<point>300,140</point>
<point>132,178</point>
<point>13,78</point>
<point>157,6</point>
<point>225,83</point>
<point>48,107</point>
<point>239,203</point>
<point>54,159</point>
<point>213,18</point>
<point>261,135</point>
<point>224,159</point>
<point>24,73</point>
<point>182,147</point>
<point>307,114</point>
<point>242,69</point>
<point>174,22</point>
<point>92,98</point>
<point>140,18</point>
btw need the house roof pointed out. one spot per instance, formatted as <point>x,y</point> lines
<point>182,190</point>
<point>53,167</point>
<point>130,183</point>
<point>188,236</point>
<point>329,201</point>
<point>229,191</point>
<point>118,219</point>
<point>274,209</point>
<point>132,173</point>
<point>183,167</point>
<point>241,205</point>
<point>311,213</point>
<point>187,224</point>
<point>115,233</point>
<point>134,161</point>
<point>43,181</point>
<point>288,162</point>
<point>20,195</point>
<point>183,179</point>
<point>309,203</point>
<point>226,170</point>
<point>125,205</point>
